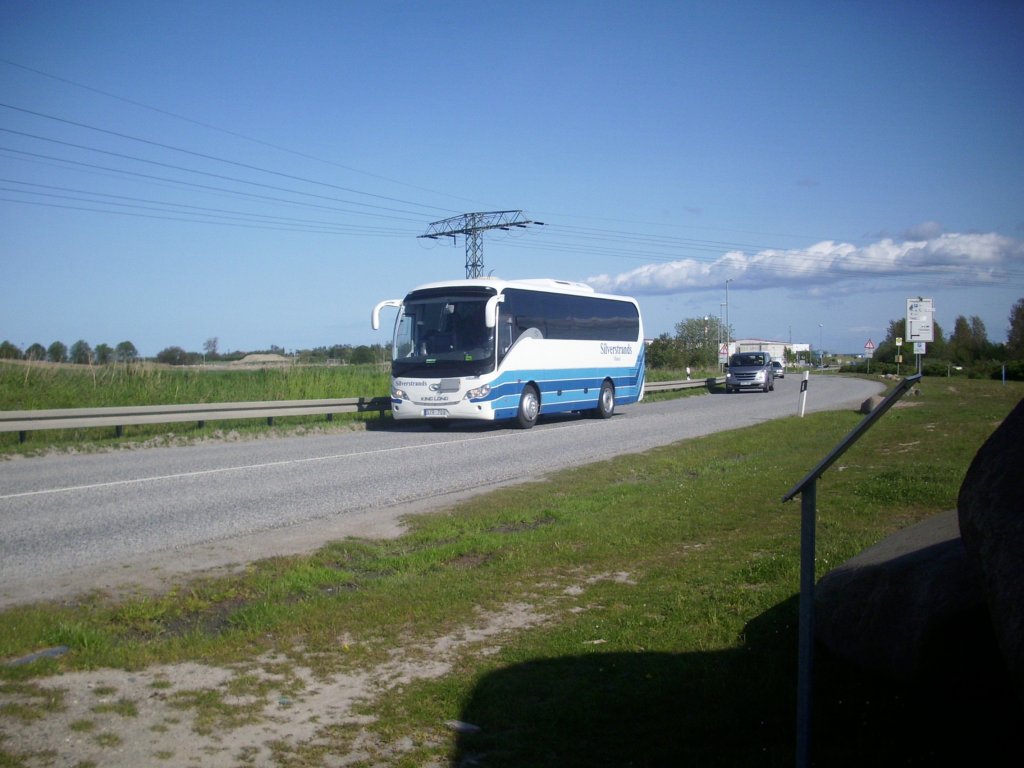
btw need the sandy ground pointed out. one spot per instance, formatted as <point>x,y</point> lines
<point>121,719</point>
<point>129,719</point>
<point>117,718</point>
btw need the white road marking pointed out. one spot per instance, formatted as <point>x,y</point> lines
<point>265,465</point>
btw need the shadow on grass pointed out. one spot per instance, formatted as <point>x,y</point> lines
<point>726,708</point>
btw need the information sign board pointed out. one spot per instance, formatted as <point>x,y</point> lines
<point>919,320</point>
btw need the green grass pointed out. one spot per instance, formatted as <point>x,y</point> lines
<point>26,386</point>
<point>667,582</point>
<point>34,386</point>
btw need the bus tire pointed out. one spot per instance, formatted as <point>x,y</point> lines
<point>529,407</point>
<point>605,401</point>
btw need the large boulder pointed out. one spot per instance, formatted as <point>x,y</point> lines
<point>991,516</point>
<point>907,608</point>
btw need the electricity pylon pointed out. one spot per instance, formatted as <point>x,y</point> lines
<point>473,225</point>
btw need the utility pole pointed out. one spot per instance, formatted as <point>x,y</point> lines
<point>473,225</point>
<point>728,329</point>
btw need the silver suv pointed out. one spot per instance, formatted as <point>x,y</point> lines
<point>750,370</point>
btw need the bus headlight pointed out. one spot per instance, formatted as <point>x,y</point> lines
<point>399,394</point>
<point>479,392</point>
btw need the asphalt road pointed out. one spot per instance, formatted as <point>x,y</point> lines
<point>123,519</point>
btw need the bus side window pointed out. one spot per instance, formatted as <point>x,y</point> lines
<point>505,336</point>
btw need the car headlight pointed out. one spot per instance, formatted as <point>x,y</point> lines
<point>760,376</point>
<point>479,392</point>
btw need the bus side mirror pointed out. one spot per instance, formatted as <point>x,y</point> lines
<point>491,310</point>
<point>375,316</point>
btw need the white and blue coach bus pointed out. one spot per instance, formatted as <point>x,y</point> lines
<point>500,349</point>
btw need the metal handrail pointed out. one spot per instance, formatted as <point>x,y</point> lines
<point>808,490</point>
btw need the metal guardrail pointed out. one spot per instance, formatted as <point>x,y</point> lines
<point>119,417</point>
<point>665,386</point>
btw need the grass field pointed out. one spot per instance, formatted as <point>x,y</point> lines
<point>656,605</point>
<point>41,386</point>
<point>25,386</point>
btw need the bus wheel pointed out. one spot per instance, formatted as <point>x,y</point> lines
<point>605,401</point>
<point>529,407</point>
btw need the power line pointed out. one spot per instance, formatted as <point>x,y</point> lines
<point>604,242</point>
<point>127,201</point>
<point>205,187</point>
<point>210,174</point>
<point>204,156</point>
<point>225,131</point>
<point>246,225</point>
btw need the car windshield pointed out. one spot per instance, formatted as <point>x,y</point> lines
<point>443,334</point>
<point>740,361</point>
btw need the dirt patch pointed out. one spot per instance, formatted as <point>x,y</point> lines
<point>254,713</point>
<point>263,359</point>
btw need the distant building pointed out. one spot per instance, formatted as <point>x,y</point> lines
<point>777,349</point>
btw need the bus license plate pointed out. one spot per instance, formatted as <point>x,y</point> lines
<point>435,412</point>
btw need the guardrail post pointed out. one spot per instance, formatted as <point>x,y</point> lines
<point>119,430</point>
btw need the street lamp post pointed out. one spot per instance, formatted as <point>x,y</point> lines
<point>728,330</point>
<point>706,317</point>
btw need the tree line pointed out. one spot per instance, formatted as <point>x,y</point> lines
<point>82,353</point>
<point>697,340</point>
<point>967,348</point>
<point>695,344</point>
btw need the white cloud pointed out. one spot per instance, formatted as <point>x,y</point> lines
<point>974,257</point>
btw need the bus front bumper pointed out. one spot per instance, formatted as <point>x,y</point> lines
<point>463,409</point>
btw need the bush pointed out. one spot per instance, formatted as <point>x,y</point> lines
<point>178,356</point>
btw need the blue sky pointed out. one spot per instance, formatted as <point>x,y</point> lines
<point>259,172</point>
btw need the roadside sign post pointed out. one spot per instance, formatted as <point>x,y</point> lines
<point>920,328</point>
<point>919,349</point>
<point>803,392</point>
<point>869,352</point>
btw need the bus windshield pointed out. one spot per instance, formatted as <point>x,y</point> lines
<point>441,332</point>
